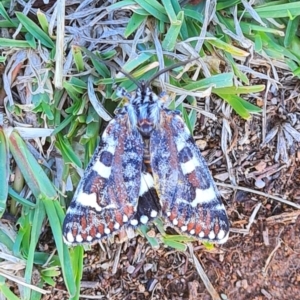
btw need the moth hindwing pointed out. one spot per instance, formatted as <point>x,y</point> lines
<point>146,165</point>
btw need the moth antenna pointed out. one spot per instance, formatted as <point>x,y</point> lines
<point>111,65</point>
<point>182,63</point>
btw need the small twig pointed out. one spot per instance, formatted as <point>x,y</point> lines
<point>253,215</point>
<point>265,268</point>
<point>259,193</point>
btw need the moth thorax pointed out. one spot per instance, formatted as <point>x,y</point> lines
<point>145,127</point>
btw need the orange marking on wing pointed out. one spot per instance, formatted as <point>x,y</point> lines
<point>180,222</point>
<point>217,227</point>
<point>174,214</point>
<point>119,218</point>
<point>128,210</point>
<point>193,179</point>
<point>111,226</point>
<point>100,229</point>
<point>83,223</point>
<point>208,224</point>
<point>190,226</point>
<point>74,231</point>
<point>93,231</point>
<point>198,228</point>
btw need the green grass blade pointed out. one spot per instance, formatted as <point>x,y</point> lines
<point>35,30</point>
<point>154,8</point>
<point>216,81</point>
<point>19,199</point>
<point>4,171</point>
<point>171,37</point>
<point>14,43</point>
<point>135,21</point>
<point>38,219</point>
<point>5,290</point>
<point>55,215</point>
<point>237,104</point>
<point>33,173</point>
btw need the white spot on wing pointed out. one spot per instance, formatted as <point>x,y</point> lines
<point>101,169</point>
<point>125,219</point>
<point>146,183</point>
<point>89,238</point>
<point>117,226</point>
<point>70,237</point>
<point>180,144</point>
<point>204,196</point>
<point>134,222</point>
<point>87,200</point>
<point>144,219</point>
<point>192,231</point>
<point>175,222</point>
<point>211,235</point>
<point>183,228</point>
<point>79,238</point>
<point>107,230</point>
<point>153,213</point>
<point>222,237</point>
<point>189,166</point>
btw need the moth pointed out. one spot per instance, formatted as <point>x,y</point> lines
<point>146,165</point>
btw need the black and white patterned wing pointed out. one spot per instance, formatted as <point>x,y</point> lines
<point>188,195</point>
<point>107,196</point>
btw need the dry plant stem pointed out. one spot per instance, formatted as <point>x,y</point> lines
<point>259,193</point>
<point>265,268</point>
<point>58,77</point>
<point>20,280</point>
<point>202,274</point>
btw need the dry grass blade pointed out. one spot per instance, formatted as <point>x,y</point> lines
<point>202,274</point>
<point>259,193</point>
<point>60,49</point>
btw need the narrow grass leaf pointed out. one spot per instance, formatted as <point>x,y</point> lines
<point>5,290</point>
<point>78,59</point>
<point>43,20</point>
<point>20,199</point>
<point>36,229</point>
<point>67,151</point>
<point>56,216</point>
<point>176,245</point>
<point>215,81</point>
<point>77,263</point>
<point>135,21</point>
<point>5,15</point>
<point>35,30</point>
<point>236,103</point>
<point>4,171</point>
<point>153,241</point>
<point>14,43</point>
<point>170,10</point>
<point>154,8</point>
<point>33,173</point>
<point>233,90</point>
<point>275,11</point>
<point>171,37</point>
